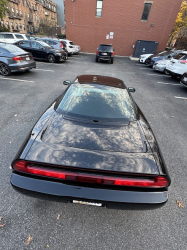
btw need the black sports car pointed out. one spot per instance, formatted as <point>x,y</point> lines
<point>42,51</point>
<point>93,146</point>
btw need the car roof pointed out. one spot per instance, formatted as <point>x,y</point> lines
<point>105,44</point>
<point>103,80</point>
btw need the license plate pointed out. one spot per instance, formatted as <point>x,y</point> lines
<point>104,54</point>
<point>27,58</point>
<point>88,203</point>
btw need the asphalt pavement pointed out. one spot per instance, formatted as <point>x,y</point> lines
<point>56,225</point>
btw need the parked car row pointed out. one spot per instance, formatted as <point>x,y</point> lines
<point>8,37</point>
<point>173,62</point>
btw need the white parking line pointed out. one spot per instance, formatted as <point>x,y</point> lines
<point>11,79</point>
<point>145,68</point>
<point>45,70</point>
<point>169,83</point>
<point>178,97</point>
<point>157,75</point>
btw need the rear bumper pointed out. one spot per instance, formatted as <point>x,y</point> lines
<point>104,58</point>
<point>34,187</point>
<point>22,66</point>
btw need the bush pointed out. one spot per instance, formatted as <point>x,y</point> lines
<point>62,36</point>
<point>3,29</point>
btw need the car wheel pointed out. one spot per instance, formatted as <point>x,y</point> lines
<point>4,69</point>
<point>96,59</point>
<point>111,60</point>
<point>51,58</point>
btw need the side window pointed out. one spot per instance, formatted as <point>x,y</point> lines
<point>35,45</point>
<point>25,44</point>
<point>99,8</point>
<point>54,43</point>
<point>19,36</point>
<point>9,36</point>
<point>145,15</point>
<point>2,36</point>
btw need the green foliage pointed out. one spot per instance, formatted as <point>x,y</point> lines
<point>4,29</point>
<point>3,8</point>
<point>62,36</point>
<point>180,27</point>
<point>40,33</point>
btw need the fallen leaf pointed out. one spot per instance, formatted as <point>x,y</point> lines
<point>17,120</point>
<point>28,240</point>
<point>6,101</point>
<point>15,115</point>
<point>2,225</point>
<point>172,116</point>
<point>10,142</point>
<point>10,167</point>
<point>1,218</point>
<point>180,204</point>
<point>47,245</point>
<point>58,217</point>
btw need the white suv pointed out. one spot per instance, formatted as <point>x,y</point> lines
<point>69,46</point>
<point>178,65</point>
<point>8,37</point>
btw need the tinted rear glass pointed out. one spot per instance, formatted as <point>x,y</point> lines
<point>11,48</point>
<point>107,48</point>
<point>19,37</point>
<point>180,56</point>
<point>97,102</point>
<point>9,36</point>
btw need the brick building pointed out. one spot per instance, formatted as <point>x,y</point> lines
<point>120,22</point>
<point>31,16</point>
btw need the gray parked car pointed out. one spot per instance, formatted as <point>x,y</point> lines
<point>14,59</point>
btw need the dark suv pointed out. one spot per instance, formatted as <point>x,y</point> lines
<point>105,52</point>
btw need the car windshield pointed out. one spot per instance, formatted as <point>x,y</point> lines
<point>97,102</point>
<point>107,48</point>
<point>180,56</point>
<point>44,44</point>
<point>11,48</point>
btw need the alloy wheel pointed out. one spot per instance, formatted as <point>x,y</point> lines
<point>4,69</point>
<point>51,58</point>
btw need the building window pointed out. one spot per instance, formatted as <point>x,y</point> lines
<point>145,15</point>
<point>99,7</point>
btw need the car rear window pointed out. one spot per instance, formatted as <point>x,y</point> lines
<point>71,43</point>
<point>2,36</point>
<point>9,36</point>
<point>25,44</point>
<point>180,56</point>
<point>97,103</point>
<point>107,48</point>
<point>11,48</point>
<point>19,36</point>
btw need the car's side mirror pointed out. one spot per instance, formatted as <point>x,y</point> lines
<point>67,82</point>
<point>130,89</point>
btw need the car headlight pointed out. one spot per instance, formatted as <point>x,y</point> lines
<point>58,54</point>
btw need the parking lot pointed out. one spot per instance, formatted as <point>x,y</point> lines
<point>56,225</point>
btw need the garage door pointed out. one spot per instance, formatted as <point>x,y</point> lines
<point>145,47</point>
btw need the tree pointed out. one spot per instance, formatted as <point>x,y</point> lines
<point>3,8</point>
<point>180,26</point>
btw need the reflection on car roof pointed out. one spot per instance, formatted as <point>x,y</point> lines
<point>104,80</point>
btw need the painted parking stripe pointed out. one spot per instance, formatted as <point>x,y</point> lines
<point>11,79</point>
<point>45,70</point>
<point>179,97</point>
<point>157,75</point>
<point>169,83</point>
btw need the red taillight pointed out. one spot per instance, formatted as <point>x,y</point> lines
<point>18,58</point>
<point>97,52</point>
<point>61,46</point>
<point>112,53</point>
<point>31,56</point>
<point>158,181</point>
<point>183,61</point>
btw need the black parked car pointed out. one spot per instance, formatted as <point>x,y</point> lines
<point>105,52</point>
<point>14,59</point>
<point>92,146</point>
<point>164,55</point>
<point>42,51</point>
<point>55,44</point>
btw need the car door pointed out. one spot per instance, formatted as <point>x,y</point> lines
<point>25,45</point>
<point>38,50</point>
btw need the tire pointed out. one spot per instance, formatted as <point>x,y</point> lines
<point>111,60</point>
<point>4,69</point>
<point>51,58</point>
<point>96,59</point>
